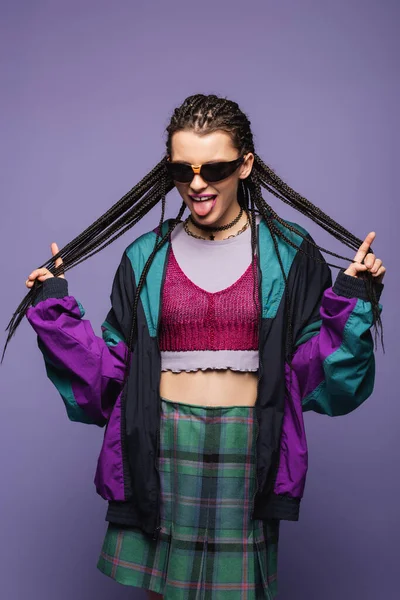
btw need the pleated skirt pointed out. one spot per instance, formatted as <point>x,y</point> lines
<point>208,546</point>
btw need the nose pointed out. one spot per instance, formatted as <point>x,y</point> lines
<point>198,184</point>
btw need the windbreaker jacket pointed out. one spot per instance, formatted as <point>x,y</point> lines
<point>333,370</point>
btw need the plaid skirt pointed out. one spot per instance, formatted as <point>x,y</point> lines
<point>208,546</point>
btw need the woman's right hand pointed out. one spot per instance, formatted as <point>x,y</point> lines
<point>44,273</point>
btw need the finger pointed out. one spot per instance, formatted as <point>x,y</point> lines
<point>363,249</point>
<point>377,264</point>
<point>369,260</point>
<point>380,273</point>
<point>38,273</point>
<point>54,251</point>
<point>41,278</point>
<point>354,269</point>
<point>58,261</point>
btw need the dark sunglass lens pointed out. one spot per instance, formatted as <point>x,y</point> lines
<point>180,172</point>
<point>218,171</point>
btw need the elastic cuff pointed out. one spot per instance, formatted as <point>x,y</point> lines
<point>277,506</point>
<point>53,287</point>
<point>354,287</point>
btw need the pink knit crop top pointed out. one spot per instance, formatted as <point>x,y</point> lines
<point>202,329</point>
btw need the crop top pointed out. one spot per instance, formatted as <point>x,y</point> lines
<point>209,313</point>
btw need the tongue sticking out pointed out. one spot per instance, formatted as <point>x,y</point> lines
<point>204,208</point>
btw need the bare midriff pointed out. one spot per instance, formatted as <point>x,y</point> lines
<point>210,388</point>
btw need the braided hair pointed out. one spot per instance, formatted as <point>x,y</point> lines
<point>203,114</point>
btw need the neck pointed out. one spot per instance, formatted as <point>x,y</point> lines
<point>220,235</point>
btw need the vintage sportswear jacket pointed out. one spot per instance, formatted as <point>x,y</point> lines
<point>333,370</point>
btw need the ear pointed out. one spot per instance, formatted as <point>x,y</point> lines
<point>246,167</point>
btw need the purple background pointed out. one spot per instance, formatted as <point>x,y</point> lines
<point>87,89</point>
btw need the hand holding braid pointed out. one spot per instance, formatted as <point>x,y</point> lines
<point>366,261</point>
<point>43,273</point>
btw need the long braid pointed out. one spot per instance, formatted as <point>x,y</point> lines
<point>223,114</point>
<point>146,268</point>
<point>274,231</point>
<point>123,215</point>
<point>202,114</point>
<point>289,196</point>
<point>333,228</point>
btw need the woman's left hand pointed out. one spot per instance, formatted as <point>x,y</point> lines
<point>371,263</point>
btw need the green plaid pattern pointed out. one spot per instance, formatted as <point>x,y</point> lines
<point>208,547</point>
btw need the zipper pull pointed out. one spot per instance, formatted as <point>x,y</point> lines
<point>156,532</point>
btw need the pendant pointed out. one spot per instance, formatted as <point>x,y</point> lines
<point>212,236</point>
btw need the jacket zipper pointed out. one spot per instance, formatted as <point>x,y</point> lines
<point>158,526</point>
<point>259,272</point>
<point>255,456</point>
<point>158,518</point>
<point>259,365</point>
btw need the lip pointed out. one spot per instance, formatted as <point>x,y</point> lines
<point>202,196</point>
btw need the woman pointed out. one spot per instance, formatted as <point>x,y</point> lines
<point>223,329</point>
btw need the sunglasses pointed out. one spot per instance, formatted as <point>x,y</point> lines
<point>210,172</point>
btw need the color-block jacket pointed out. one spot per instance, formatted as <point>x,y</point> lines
<point>333,371</point>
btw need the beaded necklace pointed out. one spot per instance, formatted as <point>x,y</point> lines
<point>212,237</point>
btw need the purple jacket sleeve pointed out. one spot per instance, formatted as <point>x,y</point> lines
<point>87,370</point>
<point>334,359</point>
